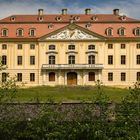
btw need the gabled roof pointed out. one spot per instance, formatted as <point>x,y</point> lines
<point>72,28</point>
<point>67,18</point>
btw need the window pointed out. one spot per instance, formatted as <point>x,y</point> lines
<point>123,76</point>
<point>51,59</point>
<point>123,59</point>
<point>137,31</point>
<point>32,60</point>
<point>138,46</point>
<point>32,77</point>
<point>20,32</point>
<point>122,46</point>
<point>138,59</point>
<point>4,77</point>
<point>109,32</point>
<point>91,76</point>
<point>51,76</point>
<point>91,59</point>
<point>71,47</point>
<point>4,32</point>
<point>4,46</point>
<point>91,47</point>
<point>110,76</point>
<point>4,60</point>
<point>19,77</point>
<point>32,32</point>
<point>19,60</point>
<point>121,31</point>
<point>19,46</point>
<point>71,59</point>
<point>51,47</point>
<point>138,76</point>
<point>32,46</point>
<point>110,59</point>
<point>110,46</point>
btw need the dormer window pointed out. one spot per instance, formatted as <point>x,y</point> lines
<point>4,32</point>
<point>76,18</point>
<point>50,26</point>
<point>20,32</point>
<point>40,18</point>
<point>123,17</point>
<point>13,18</point>
<point>137,31</point>
<point>109,31</point>
<point>88,25</point>
<point>32,32</point>
<point>91,47</point>
<point>94,18</point>
<point>121,31</point>
<point>58,18</point>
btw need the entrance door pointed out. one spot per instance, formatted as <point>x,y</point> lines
<point>72,78</point>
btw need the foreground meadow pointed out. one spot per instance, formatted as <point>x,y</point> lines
<point>67,94</point>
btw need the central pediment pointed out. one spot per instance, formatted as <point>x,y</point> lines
<point>72,32</point>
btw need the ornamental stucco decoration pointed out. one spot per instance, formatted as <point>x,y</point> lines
<point>72,34</point>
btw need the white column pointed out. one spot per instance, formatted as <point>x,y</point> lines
<point>59,77</point>
<point>65,78</point>
<point>99,75</point>
<point>84,78</point>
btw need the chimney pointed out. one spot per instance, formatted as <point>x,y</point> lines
<point>87,11</point>
<point>40,12</point>
<point>64,11</point>
<point>116,12</point>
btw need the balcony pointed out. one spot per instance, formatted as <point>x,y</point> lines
<point>72,66</point>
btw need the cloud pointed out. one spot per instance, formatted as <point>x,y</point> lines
<point>10,7</point>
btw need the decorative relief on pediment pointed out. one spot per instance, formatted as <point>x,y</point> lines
<point>74,34</point>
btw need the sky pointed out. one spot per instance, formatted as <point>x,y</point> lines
<point>129,8</point>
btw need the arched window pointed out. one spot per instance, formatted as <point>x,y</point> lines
<point>109,31</point>
<point>32,32</point>
<point>4,32</point>
<point>91,76</point>
<point>91,47</point>
<point>91,59</point>
<point>51,59</point>
<point>121,31</point>
<point>137,31</point>
<point>4,60</point>
<point>20,32</point>
<point>51,76</point>
<point>71,59</point>
<point>4,77</point>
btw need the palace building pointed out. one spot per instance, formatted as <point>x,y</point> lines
<point>71,49</point>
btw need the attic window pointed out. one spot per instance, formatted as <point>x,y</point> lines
<point>94,18</point>
<point>121,31</point>
<point>88,25</point>
<point>58,18</point>
<point>137,31</point>
<point>40,18</point>
<point>123,17</point>
<point>76,18</point>
<point>50,26</point>
<point>13,18</point>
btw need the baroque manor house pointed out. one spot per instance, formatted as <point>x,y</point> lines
<point>71,49</point>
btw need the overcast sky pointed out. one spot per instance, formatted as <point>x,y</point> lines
<point>128,7</point>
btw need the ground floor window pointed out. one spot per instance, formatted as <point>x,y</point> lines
<point>4,77</point>
<point>91,76</point>
<point>32,77</point>
<point>110,76</point>
<point>19,77</point>
<point>138,76</point>
<point>51,76</point>
<point>123,76</point>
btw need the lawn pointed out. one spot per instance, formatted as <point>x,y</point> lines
<point>67,94</point>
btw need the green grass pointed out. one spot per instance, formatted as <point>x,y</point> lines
<point>67,94</point>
